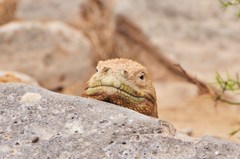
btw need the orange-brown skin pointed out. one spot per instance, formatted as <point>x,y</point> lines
<point>123,82</point>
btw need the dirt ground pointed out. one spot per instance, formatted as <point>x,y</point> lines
<point>200,117</point>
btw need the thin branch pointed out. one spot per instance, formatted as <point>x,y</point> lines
<point>203,87</point>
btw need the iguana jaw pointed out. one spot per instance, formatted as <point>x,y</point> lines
<point>111,86</point>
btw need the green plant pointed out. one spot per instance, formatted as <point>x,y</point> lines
<point>227,85</point>
<point>227,3</point>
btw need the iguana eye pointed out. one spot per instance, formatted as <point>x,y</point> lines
<point>96,70</point>
<point>142,77</point>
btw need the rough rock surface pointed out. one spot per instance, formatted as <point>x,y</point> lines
<point>190,32</point>
<point>52,52</point>
<point>36,123</point>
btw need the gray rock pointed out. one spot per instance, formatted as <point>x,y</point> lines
<point>51,52</point>
<point>189,32</point>
<point>36,123</point>
<point>49,10</point>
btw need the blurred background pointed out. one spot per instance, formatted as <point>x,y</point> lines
<point>57,43</point>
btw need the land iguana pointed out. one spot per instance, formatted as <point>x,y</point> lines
<point>123,82</point>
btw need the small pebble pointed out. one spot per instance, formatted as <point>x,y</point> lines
<point>35,139</point>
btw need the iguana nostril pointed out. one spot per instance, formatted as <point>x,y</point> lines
<point>124,73</point>
<point>105,69</point>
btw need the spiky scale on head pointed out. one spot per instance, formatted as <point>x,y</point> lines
<point>123,82</point>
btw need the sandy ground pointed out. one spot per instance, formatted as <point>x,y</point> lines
<point>200,117</point>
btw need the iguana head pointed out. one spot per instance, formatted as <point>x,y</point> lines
<point>123,82</point>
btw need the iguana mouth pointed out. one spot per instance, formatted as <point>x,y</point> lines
<point>111,90</point>
<point>112,86</point>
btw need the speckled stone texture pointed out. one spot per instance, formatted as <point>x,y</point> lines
<point>36,123</point>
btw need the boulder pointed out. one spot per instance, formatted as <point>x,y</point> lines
<point>37,123</point>
<point>54,53</point>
